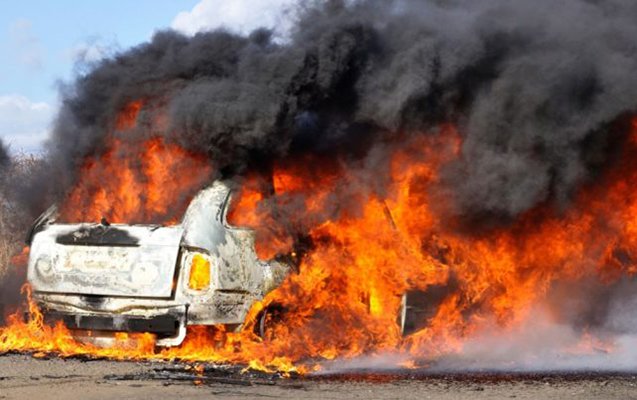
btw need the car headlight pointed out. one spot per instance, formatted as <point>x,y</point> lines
<point>44,269</point>
<point>199,278</point>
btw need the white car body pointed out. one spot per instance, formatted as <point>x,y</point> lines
<point>134,278</point>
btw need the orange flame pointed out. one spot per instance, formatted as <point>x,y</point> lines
<point>346,296</point>
<point>150,182</point>
<point>21,259</point>
<point>127,118</point>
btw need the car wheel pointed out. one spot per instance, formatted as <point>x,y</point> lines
<point>266,319</point>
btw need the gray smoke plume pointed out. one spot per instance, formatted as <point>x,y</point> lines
<point>533,86</point>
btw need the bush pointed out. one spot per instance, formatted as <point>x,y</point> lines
<point>14,218</point>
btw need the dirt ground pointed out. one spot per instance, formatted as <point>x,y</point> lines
<point>24,377</point>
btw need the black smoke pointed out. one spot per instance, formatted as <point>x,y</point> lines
<point>533,86</point>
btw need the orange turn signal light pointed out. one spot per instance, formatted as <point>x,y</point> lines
<point>199,273</point>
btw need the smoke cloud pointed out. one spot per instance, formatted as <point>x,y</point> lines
<point>534,88</point>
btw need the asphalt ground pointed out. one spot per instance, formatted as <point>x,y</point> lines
<point>26,377</point>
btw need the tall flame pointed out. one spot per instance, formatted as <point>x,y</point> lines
<point>147,182</point>
<point>345,299</point>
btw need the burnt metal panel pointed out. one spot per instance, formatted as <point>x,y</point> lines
<point>144,270</point>
<point>98,235</point>
<point>161,324</point>
<point>123,276</point>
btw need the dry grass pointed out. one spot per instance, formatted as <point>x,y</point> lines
<point>13,218</point>
<point>8,245</point>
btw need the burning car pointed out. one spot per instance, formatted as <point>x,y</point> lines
<point>103,278</point>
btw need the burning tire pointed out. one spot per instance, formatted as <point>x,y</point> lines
<point>266,319</point>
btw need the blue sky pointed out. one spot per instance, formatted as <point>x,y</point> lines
<point>42,42</point>
<point>42,38</point>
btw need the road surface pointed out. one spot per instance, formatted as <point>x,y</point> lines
<point>25,377</point>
